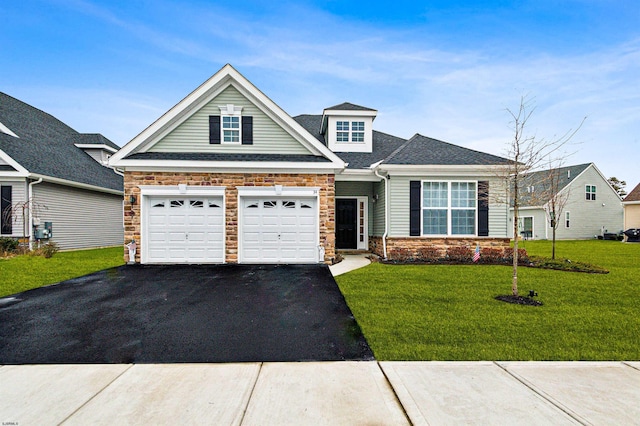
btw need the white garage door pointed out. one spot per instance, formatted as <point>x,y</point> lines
<point>185,229</point>
<point>279,230</point>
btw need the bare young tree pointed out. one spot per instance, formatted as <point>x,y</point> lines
<point>19,213</point>
<point>527,153</point>
<point>557,196</point>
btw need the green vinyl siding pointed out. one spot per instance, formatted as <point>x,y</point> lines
<point>358,189</point>
<point>378,210</point>
<point>193,134</point>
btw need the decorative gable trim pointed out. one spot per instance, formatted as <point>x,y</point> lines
<point>204,94</point>
<point>20,171</point>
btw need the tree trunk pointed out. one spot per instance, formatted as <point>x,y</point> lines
<point>553,244</point>
<point>514,282</point>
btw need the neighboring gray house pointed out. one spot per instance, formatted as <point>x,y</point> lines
<point>60,177</point>
<point>227,176</point>
<point>592,207</point>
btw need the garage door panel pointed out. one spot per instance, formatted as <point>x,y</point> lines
<point>185,229</point>
<point>279,229</point>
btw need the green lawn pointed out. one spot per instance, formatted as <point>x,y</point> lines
<point>25,272</point>
<point>442,312</point>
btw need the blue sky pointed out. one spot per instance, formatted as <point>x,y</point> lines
<point>445,69</point>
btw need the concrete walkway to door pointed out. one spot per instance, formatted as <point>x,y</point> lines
<point>323,393</point>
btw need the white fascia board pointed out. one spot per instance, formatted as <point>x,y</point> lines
<point>442,170</point>
<point>4,129</point>
<point>73,184</point>
<point>95,146</point>
<point>187,190</point>
<point>20,171</point>
<point>630,203</point>
<point>228,167</point>
<point>603,178</point>
<point>357,176</point>
<point>277,190</point>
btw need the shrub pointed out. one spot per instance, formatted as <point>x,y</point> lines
<point>523,257</point>
<point>8,245</point>
<point>46,250</point>
<point>460,254</point>
<point>492,255</point>
<point>402,255</point>
<point>428,254</point>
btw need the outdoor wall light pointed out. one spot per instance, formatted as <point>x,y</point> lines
<point>132,199</point>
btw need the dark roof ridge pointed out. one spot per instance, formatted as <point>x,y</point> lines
<point>348,106</point>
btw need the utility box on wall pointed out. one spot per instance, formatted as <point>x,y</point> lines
<point>43,232</point>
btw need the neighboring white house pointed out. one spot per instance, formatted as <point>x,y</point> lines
<point>592,206</point>
<point>58,179</point>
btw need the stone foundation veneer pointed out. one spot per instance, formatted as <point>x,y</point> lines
<point>326,207</point>
<point>412,244</point>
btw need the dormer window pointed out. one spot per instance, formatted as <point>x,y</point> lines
<point>349,131</point>
<point>348,128</point>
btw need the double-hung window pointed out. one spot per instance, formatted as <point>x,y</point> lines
<point>342,131</point>
<point>590,192</point>
<point>230,129</point>
<point>449,208</point>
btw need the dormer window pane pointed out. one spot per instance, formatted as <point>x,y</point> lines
<point>357,126</point>
<point>342,126</point>
<point>357,137</point>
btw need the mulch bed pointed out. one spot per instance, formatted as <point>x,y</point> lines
<point>519,300</point>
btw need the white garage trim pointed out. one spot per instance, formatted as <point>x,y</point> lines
<point>149,192</point>
<point>311,252</point>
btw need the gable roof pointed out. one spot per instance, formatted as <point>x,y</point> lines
<point>633,196</point>
<point>225,77</point>
<point>539,182</point>
<point>44,146</point>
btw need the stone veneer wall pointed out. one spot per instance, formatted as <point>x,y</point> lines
<point>326,183</point>
<point>414,243</point>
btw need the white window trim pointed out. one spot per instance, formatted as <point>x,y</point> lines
<point>230,110</point>
<point>521,226</point>
<point>350,132</point>
<point>448,209</point>
<point>594,192</point>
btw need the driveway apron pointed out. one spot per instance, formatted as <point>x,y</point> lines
<point>183,313</point>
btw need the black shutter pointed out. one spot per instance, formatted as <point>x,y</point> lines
<point>214,129</point>
<point>247,130</point>
<point>6,217</point>
<point>414,207</point>
<point>483,209</point>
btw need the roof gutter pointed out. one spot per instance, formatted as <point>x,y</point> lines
<point>75,184</point>
<point>376,171</point>
<point>30,201</point>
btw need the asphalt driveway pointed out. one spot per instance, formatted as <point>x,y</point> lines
<point>185,313</point>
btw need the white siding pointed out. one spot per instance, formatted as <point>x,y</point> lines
<point>358,189</point>
<point>18,195</point>
<point>631,216</point>
<point>399,210</point>
<point>587,218</point>
<point>193,134</point>
<point>80,218</point>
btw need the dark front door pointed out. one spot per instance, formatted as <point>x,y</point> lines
<point>347,213</point>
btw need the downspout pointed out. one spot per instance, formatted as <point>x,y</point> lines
<point>386,208</point>
<point>30,200</point>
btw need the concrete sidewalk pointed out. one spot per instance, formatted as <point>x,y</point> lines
<point>331,393</point>
<point>349,263</point>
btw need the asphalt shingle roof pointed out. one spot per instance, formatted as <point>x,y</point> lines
<point>95,139</point>
<point>45,146</point>
<point>634,195</point>
<point>540,182</point>
<point>347,106</point>
<point>421,150</point>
